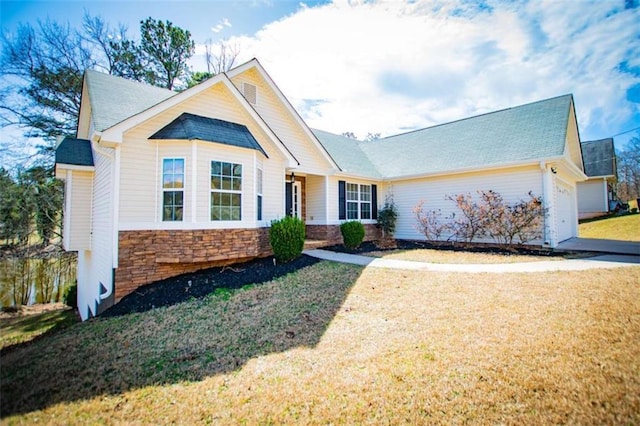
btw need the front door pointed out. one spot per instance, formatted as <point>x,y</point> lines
<point>293,198</point>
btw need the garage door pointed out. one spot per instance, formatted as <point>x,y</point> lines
<point>565,212</point>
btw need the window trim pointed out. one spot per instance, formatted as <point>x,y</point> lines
<point>343,201</point>
<point>226,191</point>
<point>358,201</point>
<point>259,192</point>
<point>163,189</point>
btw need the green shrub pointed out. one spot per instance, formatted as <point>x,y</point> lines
<point>387,217</point>
<point>287,238</point>
<point>70,297</point>
<point>352,233</point>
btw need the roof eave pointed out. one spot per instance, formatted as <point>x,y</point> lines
<point>462,170</point>
<point>76,167</point>
<point>346,174</point>
<point>254,63</point>
<point>600,177</point>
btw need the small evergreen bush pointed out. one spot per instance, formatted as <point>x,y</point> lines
<point>70,297</point>
<point>287,238</point>
<point>387,217</point>
<point>352,233</point>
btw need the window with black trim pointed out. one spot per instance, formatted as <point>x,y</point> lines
<point>357,201</point>
<point>226,191</point>
<point>172,189</point>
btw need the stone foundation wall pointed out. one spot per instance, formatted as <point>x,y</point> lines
<point>332,233</point>
<point>148,256</point>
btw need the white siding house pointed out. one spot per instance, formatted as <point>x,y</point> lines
<point>160,183</point>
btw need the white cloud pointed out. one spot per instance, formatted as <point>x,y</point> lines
<point>389,66</point>
<point>221,25</point>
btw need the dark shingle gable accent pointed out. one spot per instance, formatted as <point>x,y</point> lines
<point>190,126</point>
<point>75,152</point>
<point>598,157</point>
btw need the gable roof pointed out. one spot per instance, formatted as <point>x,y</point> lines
<point>190,126</point>
<point>254,63</point>
<point>76,152</point>
<point>122,104</point>
<point>599,157</point>
<point>527,133</point>
<point>114,99</point>
<point>348,154</point>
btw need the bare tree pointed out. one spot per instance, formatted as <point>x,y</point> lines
<point>628,186</point>
<point>220,56</point>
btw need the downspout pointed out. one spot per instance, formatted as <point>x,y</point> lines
<point>543,168</point>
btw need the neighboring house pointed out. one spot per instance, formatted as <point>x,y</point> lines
<point>159,183</point>
<point>595,195</point>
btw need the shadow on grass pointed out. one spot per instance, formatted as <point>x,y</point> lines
<point>189,341</point>
<point>21,331</point>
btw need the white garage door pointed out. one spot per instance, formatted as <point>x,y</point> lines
<point>565,212</point>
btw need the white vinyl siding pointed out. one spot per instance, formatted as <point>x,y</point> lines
<point>316,199</point>
<point>512,184</point>
<point>140,203</point>
<point>78,216</point>
<point>95,266</point>
<point>288,130</point>
<point>593,197</point>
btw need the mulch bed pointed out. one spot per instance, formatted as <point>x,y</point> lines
<point>201,283</point>
<point>371,246</point>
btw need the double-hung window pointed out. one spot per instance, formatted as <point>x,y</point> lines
<point>358,201</point>
<point>172,189</point>
<point>226,191</point>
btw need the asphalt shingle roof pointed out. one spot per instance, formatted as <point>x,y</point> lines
<point>74,151</point>
<point>190,126</point>
<point>347,153</point>
<point>529,132</point>
<point>114,99</point>
<point>598,157</point>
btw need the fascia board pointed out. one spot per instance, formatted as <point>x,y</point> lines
<point>254,63</point>
<point>114,135</point>
<point>115,132</point>
<point>467,170</point>
<point>293,162</point>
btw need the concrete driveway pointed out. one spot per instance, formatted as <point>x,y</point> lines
<point>600,246</point>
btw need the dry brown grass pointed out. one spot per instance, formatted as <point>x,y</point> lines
<point>446,256</point>
<point>624,228</point>
<point>399,347</point>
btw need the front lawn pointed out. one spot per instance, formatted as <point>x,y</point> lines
<point>625,228</point>
<point>17,328</point>
<point>335,344</point>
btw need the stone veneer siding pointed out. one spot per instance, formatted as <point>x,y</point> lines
<point>331,233</point>
<point>148,256</point>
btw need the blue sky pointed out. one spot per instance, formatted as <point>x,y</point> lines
<point>391,66</point>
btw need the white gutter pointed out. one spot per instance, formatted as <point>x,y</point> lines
<point>463,170</point>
